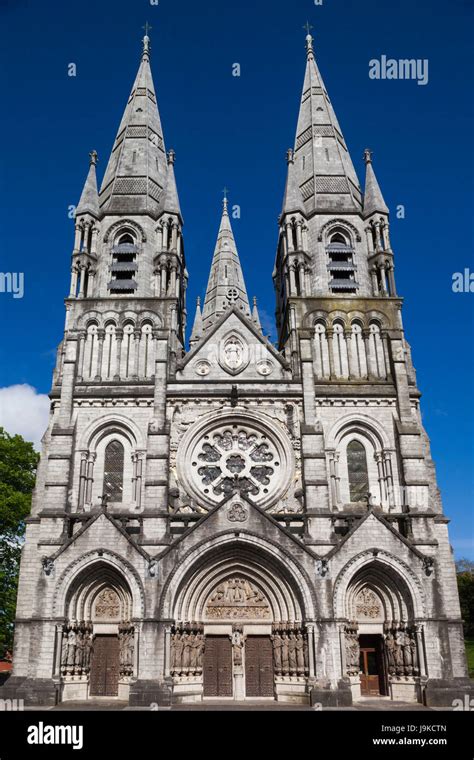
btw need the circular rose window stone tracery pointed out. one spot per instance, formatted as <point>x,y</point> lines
<point>236,458</point>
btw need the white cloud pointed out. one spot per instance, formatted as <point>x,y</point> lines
<point>25,412</point>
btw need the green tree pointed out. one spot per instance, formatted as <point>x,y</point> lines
<point>465,576</point>
<point>18,463</point>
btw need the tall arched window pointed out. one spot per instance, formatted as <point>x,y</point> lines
<point>113,471</point>
<point>357,471</point>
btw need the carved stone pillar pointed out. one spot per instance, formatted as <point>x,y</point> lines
<point>119,339</point>
<point>77,237</point>
<point>80,361</point>
<point>94,236</point>
<point>172,282</point>
<point>386,354</point>
<point>387,460</point>
<point>58,650</point>
<point>137,335</point>
<point>82,270</point>
<point>375,284</point>
<point>299,236</point>
<point>163,273</point>
<point>391,280</point>
<point>83,479</point>
<point>289,237</point>
<point>381,477</point>
<point>100,353</point>
<point>174,237</point>
<point>165,236</point>
<point>91,457</point>
<point>167,667</point>
<point>332,369</point>
<point>368,353</point>
<point>74,275</point>
<point>350,340</point>
<point>292,280</point>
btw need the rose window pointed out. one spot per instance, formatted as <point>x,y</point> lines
<point>234,460</point>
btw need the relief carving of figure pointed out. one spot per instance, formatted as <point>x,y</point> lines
<point>277,646</point>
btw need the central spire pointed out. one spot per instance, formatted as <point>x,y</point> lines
<point>226,286</point>
<point>136,175</point>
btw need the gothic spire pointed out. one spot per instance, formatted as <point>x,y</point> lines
<point>255,315</point>
<point>196,333</point>
<point>373,198</point>
<point>89,202</point>
<point>226,286</point>
<point>171,201</point>
<point>135,178</point>
<point>323,167</point>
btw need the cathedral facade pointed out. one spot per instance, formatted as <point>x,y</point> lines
<point>235,521</point>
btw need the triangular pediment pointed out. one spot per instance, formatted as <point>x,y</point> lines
<point>233,349</point>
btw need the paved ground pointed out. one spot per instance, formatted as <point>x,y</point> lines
<point>371,705</point>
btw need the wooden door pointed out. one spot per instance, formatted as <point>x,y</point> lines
<point>217,668</point>
<point>369,672</point>
<point>258,666</point>
<point>105,667</point>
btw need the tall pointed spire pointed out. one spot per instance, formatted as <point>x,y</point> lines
<point>171,202</point>
<point>373,198</point>
<point>226,286</point>
<point>89,202</point>
<point>135,178</point>
<point>255,315</point>
<point>324,170</point>
<point>197,330</point>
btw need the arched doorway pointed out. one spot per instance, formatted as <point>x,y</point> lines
<point>98,641</point>
<point>239,629</point>
<point>381,640</point>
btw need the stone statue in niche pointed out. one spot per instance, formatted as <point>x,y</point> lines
<point>238,640</point>
<point>187,648</point>
<point>290,649</point>
<point>233,351</point>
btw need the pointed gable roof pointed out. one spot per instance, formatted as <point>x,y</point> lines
<point>89,201</point>
<point>373,198</point>
<point>324,169</point>
<point>226,286</point>
<point>136,175</point>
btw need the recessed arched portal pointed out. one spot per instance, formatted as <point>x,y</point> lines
<point>98,638</point>
<point>240,611</point>
<point>381,642</point>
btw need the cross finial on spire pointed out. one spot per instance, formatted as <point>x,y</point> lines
<point>368,156</point>
<point>225,191</point>
<point>309,38</point>
<point>146,39</point>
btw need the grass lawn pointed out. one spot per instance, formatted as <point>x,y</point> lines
<point>470,656</point>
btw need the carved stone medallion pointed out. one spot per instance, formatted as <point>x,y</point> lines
<point>237,513</point>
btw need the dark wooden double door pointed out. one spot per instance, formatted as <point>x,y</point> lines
<point>217,668</point>
<point>104,674</point>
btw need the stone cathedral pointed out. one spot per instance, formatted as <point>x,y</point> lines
<point>235,521</point>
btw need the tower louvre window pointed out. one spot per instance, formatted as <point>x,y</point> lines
<point>113,471</point>
<point>341,265</point>
<point>124,265</point>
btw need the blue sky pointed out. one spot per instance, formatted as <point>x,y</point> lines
<point>235,132</point>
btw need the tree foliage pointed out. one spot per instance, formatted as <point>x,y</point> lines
<point>465,575</point>
<point>18,463</point>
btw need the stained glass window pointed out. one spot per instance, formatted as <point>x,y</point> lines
<point>113,471</point>
<point>357,469</point>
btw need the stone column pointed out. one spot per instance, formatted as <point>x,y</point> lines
<point>299,236</point>
<point>387,459</point>
<point>82,270</point>
<point>368,353</point>
<point>100,353</point>
<point>73,290</point>
<point>137,335</point>
<point>119,339</point>
<point>311,657</point>
<point>330,336</point>
<point>163,280</point>
<point>370,239</point>
<point>83,478</point>
<point>159,238</point>
<point>165,235</point>
<point>172,284</point>
<point>174,237</point>
<point>386,236</point>
<point>167,663</point>
<point>94,236</point>
<point>292,280</point>
<point>375,285</point>
<point>77,237</point>
<point>381,478</point>
<point>386,353</point>
<point>351,359</point>
<point>378,237</point>
<point>391,280</point>
<point>90,283</point>
<point>58,650</point>
<point>90,477</point>
<point>80,361</point>
<point>289,237</point>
